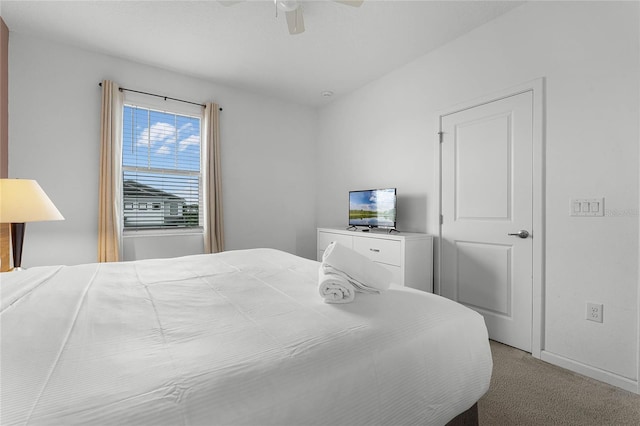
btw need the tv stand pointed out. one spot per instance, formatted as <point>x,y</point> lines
<point>387,231</point>
<point>409,256</point>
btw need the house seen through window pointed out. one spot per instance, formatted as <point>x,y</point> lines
<point>162,183</point>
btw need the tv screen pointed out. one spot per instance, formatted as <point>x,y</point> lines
<point>375,208</point>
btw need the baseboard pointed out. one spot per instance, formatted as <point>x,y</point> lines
<point>592,372</point>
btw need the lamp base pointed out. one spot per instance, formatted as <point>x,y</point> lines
<point>17,238</point>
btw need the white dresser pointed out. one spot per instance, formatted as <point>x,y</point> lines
<point>409,256</point>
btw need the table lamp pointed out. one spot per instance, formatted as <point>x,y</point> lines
<point>21,201</point>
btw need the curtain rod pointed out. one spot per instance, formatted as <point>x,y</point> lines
<point>160,96</point>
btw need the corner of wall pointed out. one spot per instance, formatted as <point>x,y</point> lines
<point>4,135</point>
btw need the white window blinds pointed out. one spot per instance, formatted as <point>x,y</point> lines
<point>162,182</point>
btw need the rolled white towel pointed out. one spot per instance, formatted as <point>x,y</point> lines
<point>362,272</point>
<point>335,288</point>
<point>357,285</point>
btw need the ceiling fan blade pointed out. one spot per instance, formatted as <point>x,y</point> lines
<point>295,21</point>
<point>354,3</point>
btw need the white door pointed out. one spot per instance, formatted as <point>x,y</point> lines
<point>487,193</point>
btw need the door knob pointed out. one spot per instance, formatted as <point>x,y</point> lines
<point>522,233</point>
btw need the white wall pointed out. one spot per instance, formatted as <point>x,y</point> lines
<point>588,53</point>
<point>268,149</point>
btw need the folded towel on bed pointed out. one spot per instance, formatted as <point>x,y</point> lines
<point>363,273</point>
<point>357,285</point>
<point>335,288</point>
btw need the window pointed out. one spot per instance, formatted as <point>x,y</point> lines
<point>161,177</point>
<point>173,209</point>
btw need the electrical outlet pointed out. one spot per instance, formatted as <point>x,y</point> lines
<point>594,312</point>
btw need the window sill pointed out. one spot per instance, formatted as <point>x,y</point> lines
<point>133,233</point>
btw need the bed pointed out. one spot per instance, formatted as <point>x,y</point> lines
<point>235,338</point>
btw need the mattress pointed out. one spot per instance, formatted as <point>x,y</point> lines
<point>235,338</point>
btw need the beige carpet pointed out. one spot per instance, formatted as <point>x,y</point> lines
<point>527,391</point>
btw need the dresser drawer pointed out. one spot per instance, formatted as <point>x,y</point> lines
<point>326,238</point>
<point>396,273</point>
<point>379,250</point>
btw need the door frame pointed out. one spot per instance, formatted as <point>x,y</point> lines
<point>537,87</point>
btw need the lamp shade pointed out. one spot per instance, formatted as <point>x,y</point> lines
<point>23,200</point>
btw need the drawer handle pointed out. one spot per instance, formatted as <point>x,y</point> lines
<point>375,250</point>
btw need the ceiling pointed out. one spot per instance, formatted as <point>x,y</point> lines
<point>247,46</point>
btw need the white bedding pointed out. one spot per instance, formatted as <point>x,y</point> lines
<point>240,337</point>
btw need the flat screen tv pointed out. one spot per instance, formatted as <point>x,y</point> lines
<point>374,208</point>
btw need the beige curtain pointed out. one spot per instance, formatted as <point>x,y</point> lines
<point>213,225</point>
<point>109,211</point>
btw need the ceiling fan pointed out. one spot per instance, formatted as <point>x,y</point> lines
<point>293,11</point>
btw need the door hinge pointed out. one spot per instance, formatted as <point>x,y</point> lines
<point>441,136</point>
<point>441,219</point>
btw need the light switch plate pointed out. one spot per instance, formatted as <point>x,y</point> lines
<point>587,207</point>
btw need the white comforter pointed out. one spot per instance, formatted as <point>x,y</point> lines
<point>240,337</point>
